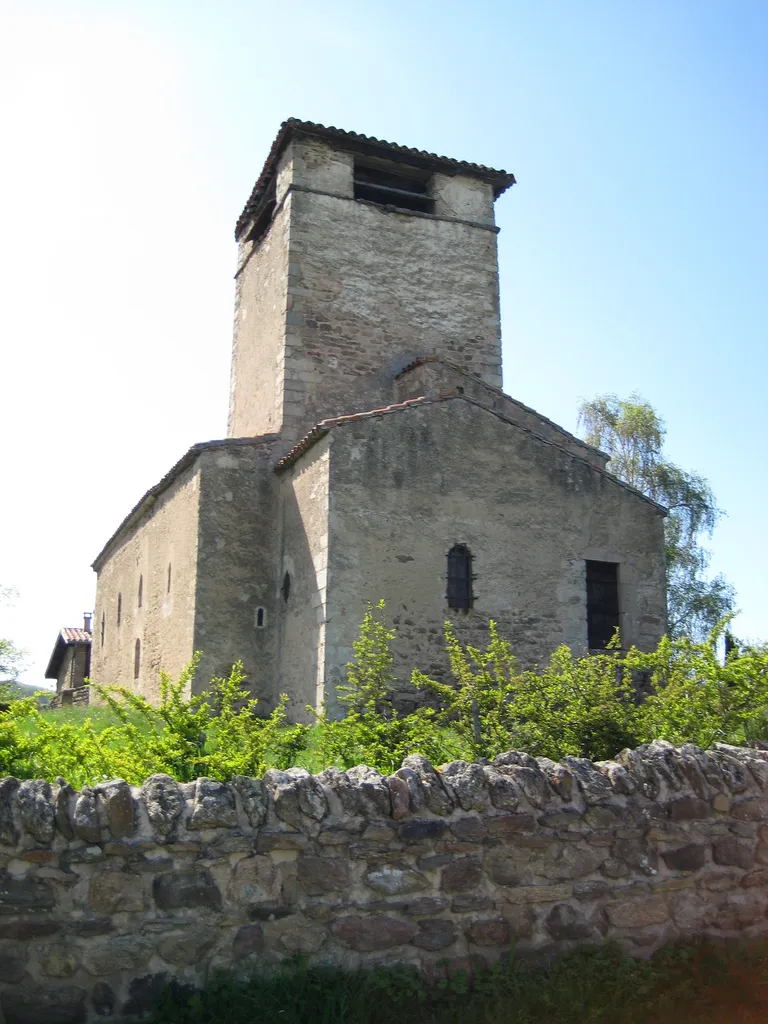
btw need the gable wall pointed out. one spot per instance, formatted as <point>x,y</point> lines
<point>434,377</point>
<point>74,667</point>
<point>407,486</point>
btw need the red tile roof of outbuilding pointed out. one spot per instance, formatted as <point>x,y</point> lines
<point>75,636</point>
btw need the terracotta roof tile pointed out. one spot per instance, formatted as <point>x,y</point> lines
<point>321,429</point>
<point>500,179</point>
<point>75,636</point>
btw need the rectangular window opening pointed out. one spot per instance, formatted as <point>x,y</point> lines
<point>406,189</point>
<point>602,603</point>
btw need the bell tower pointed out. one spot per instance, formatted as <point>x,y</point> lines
<point>355,257</point>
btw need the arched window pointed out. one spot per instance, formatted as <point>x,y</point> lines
<point>103,627</point>
<point>141,590</point>
<point>168,589</point>
<point>119,608</point>
<point>460,578</point>
<point>137,659</point>
<point>285,590</point>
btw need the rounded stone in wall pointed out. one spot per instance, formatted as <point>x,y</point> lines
<point>57,960</point>
<point>187,946</point>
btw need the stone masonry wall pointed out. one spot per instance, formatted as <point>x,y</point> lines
<point>109,894</point>
<point>236,572</point>
<point>164,623</point>
<point>406,486</point>
<point>339,294</point>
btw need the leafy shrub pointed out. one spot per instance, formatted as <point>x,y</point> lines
<point>580,706</point>
<point>217,734</point>
<point>696,698</point>
<point>372,731</point>
<point>586,706</point>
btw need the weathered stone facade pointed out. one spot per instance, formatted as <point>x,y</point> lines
<point>368,437</point>
<point>110,894</point>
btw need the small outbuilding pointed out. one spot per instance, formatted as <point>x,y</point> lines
<point>70,663</point>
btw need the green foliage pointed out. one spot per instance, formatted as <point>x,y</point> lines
<point>579,706</point>
<point>632,433</point>
<point>586,706</point>
<point>11,657</point>
<point>217,734</point>
<point>479,706</point>
<point>697,699</point>
<point>682,984</point>
<point>372,731</point>
<point>370,676</point>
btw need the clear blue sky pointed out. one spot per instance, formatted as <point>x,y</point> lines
<point>632,251</point>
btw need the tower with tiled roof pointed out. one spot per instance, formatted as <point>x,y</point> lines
<point>355,257</point>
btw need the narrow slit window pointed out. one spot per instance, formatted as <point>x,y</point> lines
<point>261,618</point>
<point>602,603</point>
<point>285,590</point>
<point>137,659</point>
<point>103,627</point>
<point>405,187</point>
<point>168,587</point>
<point>460,578</point>
<point>141,590</point>
<point>119,608</point>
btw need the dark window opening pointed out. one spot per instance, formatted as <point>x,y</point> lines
<point>285,590</point>
<point>264,212</point>
<point>602,603</point>
<point>168,588</point>
<point>460,578</point>
<point>119,608</point>
<point>137,659</point>
<point>103,627</point>
<point>408,190</point>
<point>141,590</point>
<point>260,618</point>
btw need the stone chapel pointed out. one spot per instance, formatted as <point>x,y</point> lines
<point>371,453</point>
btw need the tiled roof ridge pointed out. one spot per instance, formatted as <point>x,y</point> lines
<point>324,426</point>
<point>321,429</point>
<point>501,178</point>
<point>422,360</point>
<point>148,499</point>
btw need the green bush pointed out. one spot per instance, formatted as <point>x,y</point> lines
<point>372,731</point>
<point>217,734</point>
<point>586,706</point>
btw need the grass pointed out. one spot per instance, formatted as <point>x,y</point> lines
<point>703,983</point>
<point>101,716</point>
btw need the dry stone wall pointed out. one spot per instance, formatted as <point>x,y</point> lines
<point>110,894</point>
